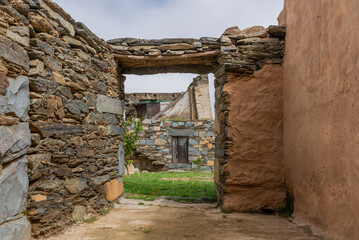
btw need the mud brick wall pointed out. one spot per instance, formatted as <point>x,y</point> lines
<point>14,130</point>
<point>249,119</point>
<point>321,117</point>
<point>155,143</point>
<point>66,78</point>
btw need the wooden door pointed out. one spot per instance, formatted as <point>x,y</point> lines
<point>179,149</point>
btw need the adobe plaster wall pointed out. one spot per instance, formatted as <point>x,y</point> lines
<point>321,117</point>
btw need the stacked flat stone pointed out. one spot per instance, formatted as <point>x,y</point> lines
<point>66,78</point>
<point>164,47</point>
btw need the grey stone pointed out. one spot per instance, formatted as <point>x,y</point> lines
<point>193,142</point>
<point>14,53</point>
<point>209,134</point>
<point>149,142</point>
<point>77,107</point>
<point>193,151</point>
<point>180,132</point>
<point>97,181</point>
<point>188,124</point>
<point>14,142</point>
<point>205,169</point>
<point>110,119</point>
<point>109,105</point>
<point>49,185</point>
<point>197,44</point>
<point>15,33</point>
<point>43,46</point>
<point>178,165</point>
<point>174,124</point>
<point>181,124</point>
<point>14,184</point>
<point>164,151</point>
<point>65,24</point>
<point>113,130</point>
<point>79,213</point>
<point>19,229</point>
<point>75,185</point>
<point>17,99</point>
<point>121,160</point>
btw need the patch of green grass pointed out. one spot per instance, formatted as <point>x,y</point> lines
<point>141,203</point>
<point>148,186</point>
<point>90,220</point>
<point>104,211</point>
<point>224,215</point>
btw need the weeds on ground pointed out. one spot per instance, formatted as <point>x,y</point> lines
<point>104,211</point>
<point>90,220</point>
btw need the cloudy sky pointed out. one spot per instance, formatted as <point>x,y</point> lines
<point>153,19</point>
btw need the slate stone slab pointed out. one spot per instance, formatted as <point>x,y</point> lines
<point>14,141</point>
<point>109,105</point>
<point>13,53</point>
<point>19,229</point>
<point>121,160</point>
<point>48,129</point>
<point>17,98</point>
<point>180,132</point>
<point>14,186</point>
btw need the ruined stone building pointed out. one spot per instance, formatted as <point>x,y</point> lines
<point>286,123</point>
<point>178,128</point>
<point>194,104</point>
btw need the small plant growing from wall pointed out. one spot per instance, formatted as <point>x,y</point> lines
<point>198,163</point>
<point>132,130</point>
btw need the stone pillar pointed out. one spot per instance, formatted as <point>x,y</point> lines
<point>14,143</point>
<point>249,120</point>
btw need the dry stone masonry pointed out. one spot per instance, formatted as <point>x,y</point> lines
<point>65,78</point>
<point>155,146</point>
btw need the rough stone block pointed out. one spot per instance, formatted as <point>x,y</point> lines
<point>180,132</point>
<point>160,142</point>
<point>75,185</point>
<point>79,213</point>
<point>19,229</point>
<point>17,98</point>
<point>14,142</point>
<point>121,160</point>
<point>14,53</point>
<point>14,186</point>
<point>109,105</point>
<point>113,130</point>
<point>113,190</point>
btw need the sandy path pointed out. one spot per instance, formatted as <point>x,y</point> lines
<point>168,220</point>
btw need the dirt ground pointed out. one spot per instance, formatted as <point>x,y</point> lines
<point>168,220</point>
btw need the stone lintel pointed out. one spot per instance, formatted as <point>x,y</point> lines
<point>180,132</point>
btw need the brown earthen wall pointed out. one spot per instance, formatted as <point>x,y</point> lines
<point>254,169</point>
<point>321,116</point>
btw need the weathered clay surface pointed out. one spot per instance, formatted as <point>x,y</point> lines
<point>321,117</point>
<point>255,120</point>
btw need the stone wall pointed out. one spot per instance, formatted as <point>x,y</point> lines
<point>249,175</point>
<point>75,113</point>
<point>155,144</point>
<point>321,117</point>
<point>14,130</point>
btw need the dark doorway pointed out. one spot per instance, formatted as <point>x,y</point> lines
<point>180,149</point>
<point>148,110</point>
